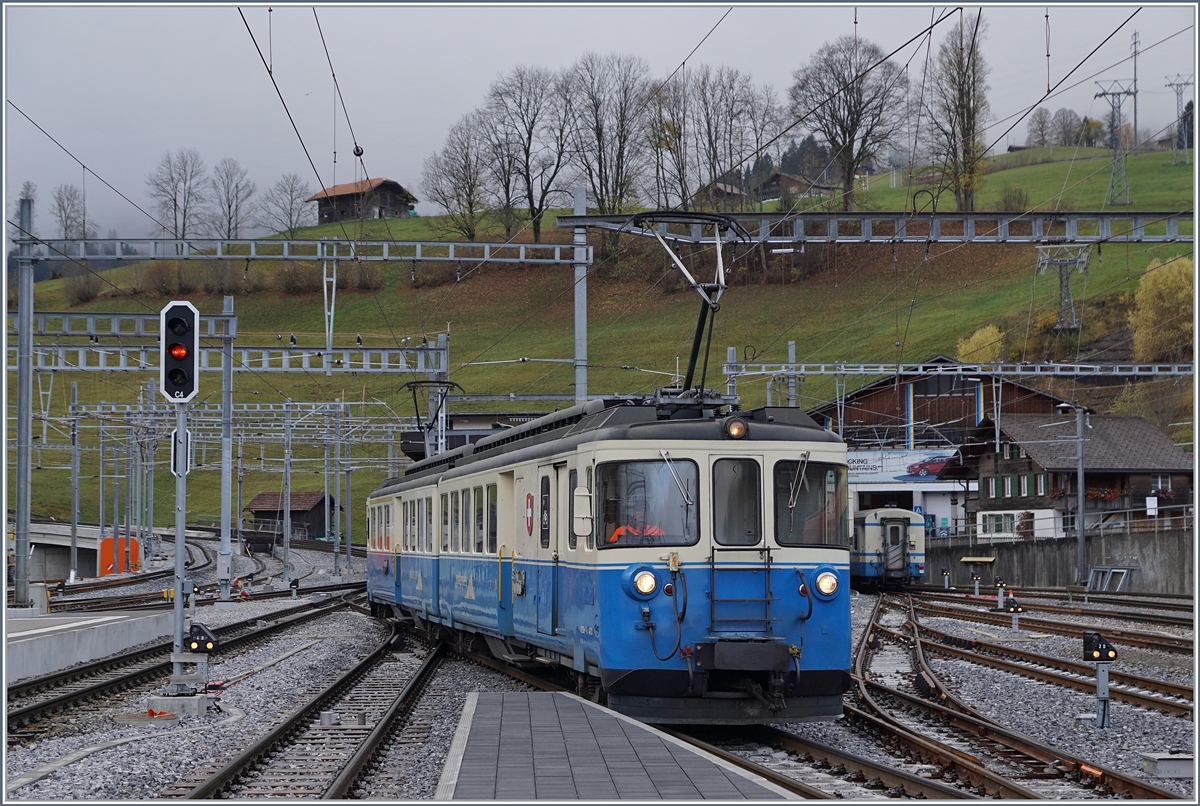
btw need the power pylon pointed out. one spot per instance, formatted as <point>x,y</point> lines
<point>1064,259</point>
<point>1118,185</point>
<point>1179,142</point>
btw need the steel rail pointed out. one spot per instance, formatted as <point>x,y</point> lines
<point>24,716</point>
<point>1119,690</point>
<point>1145,640</point>
<point>1149,618</point>
<point>298,720</point>
<point>779,779</point>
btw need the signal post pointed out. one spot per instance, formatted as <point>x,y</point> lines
<point>179,343</point>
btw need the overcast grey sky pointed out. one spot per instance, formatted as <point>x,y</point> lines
<point>119,86</point>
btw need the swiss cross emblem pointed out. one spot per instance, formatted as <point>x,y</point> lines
<point>529,513</point>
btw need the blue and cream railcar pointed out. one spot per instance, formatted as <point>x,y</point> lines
<point>888,548</point>
<point>688,570</point>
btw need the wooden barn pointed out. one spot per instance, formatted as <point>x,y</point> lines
<point>307,513</point>
<point>369,198</point>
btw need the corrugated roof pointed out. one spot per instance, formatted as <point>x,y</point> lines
<point>273,502</point>
<point>1125,444</point>
<point>349,188</point>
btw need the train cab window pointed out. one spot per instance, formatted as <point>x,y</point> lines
<point>895,533</point>
<point>454,515</point>
<point>445,522</point>
<point>648,503</point>
<point>591,538</point>
<point>466,519</point>
<point>737,502</point>
<point>811,503</point>
<point>491,518</point>
<point>544,516</point>
<point>479,520</point>
<point>572,482</point>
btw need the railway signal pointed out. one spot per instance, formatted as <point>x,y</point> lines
<point>1102,653</point>
<point>179,351</point>
<point>201,639</point>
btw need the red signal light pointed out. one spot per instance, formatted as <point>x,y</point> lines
<point>178,351</point>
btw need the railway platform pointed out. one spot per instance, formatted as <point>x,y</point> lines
<point>556,746</point>
<point>43,644</point>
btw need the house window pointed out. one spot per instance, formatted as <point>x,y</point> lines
<point>985,523</point>
<point>1041,483</point>
<point>1160,481</point>
<point>1068,523</point>
<point>997,523</point>
<point>1008,486</point>
<point>1021,449</point>
<point>1024,485</point>
<point>1010,525</point>
<point>989,487</point>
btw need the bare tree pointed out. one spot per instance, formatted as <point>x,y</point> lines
<point>668,124</point>
<point>764,120</point>
<point>502,182</point>
<point>453,178</point>
<point>231,206</point>
<point>958,109</point>
<point>1038,128</point>
<point>1064,127</point>
<point>856,112</point>
<point>70,216</point>
<point>178,186</point>
<point>609,121</point>
<point>721,100</point>
<point>284,208</point>
<point>534,105</point>
<point>28,191</point>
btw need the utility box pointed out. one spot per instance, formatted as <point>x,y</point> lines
<point>1169,765</point>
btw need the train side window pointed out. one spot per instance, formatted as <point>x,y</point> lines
<point>429,521</point>
<point>479,520</point>
<point>572,483</point>
<point>491,516</point>
<point>445,522</point>
<point>412,528</point>
<point>423,537</point>
<point>544,515</point>
<point>387,525</point>
<point>591,538</point>
<point>737,493</point>
<point>454,513</point>
<point>466,519</point>
<point>404,525</point>
<point>811,503</point>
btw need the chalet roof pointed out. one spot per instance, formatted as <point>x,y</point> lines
<point>1122,444</point>
<point>937,359</point>
<point>353,188</point>
<point>273,502</point>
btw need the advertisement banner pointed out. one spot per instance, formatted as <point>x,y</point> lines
<point>885,466</point>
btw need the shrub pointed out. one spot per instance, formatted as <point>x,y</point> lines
<point>160,279</point>
<point>369,276</point>
<point>1013,198</point>
<point>983,346</point>
<point>81,287</point>
<point>299,278</point>
<point>1162,317</point>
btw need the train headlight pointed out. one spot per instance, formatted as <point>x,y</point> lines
<point>827,583</point>
<point>736,428</point>
<point>640,582</point>
<point>644,582</point>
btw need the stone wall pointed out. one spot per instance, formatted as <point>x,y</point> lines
<point>1162,561</point>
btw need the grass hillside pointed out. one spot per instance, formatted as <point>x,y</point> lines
<point>857,304</point>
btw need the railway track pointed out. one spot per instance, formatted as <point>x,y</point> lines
<point>306,756</point>
<point>1148,640</point>
<point>898,695</point>
<point>33,703</point>
<point>1158,695</point>
<point>1088,612</point>
<point>1162,601</point>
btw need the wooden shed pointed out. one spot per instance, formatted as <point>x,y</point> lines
<point>307,513</point>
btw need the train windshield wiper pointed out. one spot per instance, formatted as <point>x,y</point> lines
<point>687,499</point>
<point>799,480</point>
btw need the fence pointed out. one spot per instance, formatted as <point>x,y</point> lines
<point>1176,517</point>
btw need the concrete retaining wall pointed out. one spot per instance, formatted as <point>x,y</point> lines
<point>45,644</point>
<point>1162,561</point>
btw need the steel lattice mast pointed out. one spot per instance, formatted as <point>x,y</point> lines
<point>1179,145</point>
<point>1118,185</point>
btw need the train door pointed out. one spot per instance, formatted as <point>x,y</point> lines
<point>505,550</point>
<point>739,558</point>
<point>895,545</point>
<point>546,545</point>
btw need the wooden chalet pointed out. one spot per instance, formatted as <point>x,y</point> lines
<point>307,513</point>
<point>1135,477</point>
<point>369,198</point>
<point>774,185</point>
